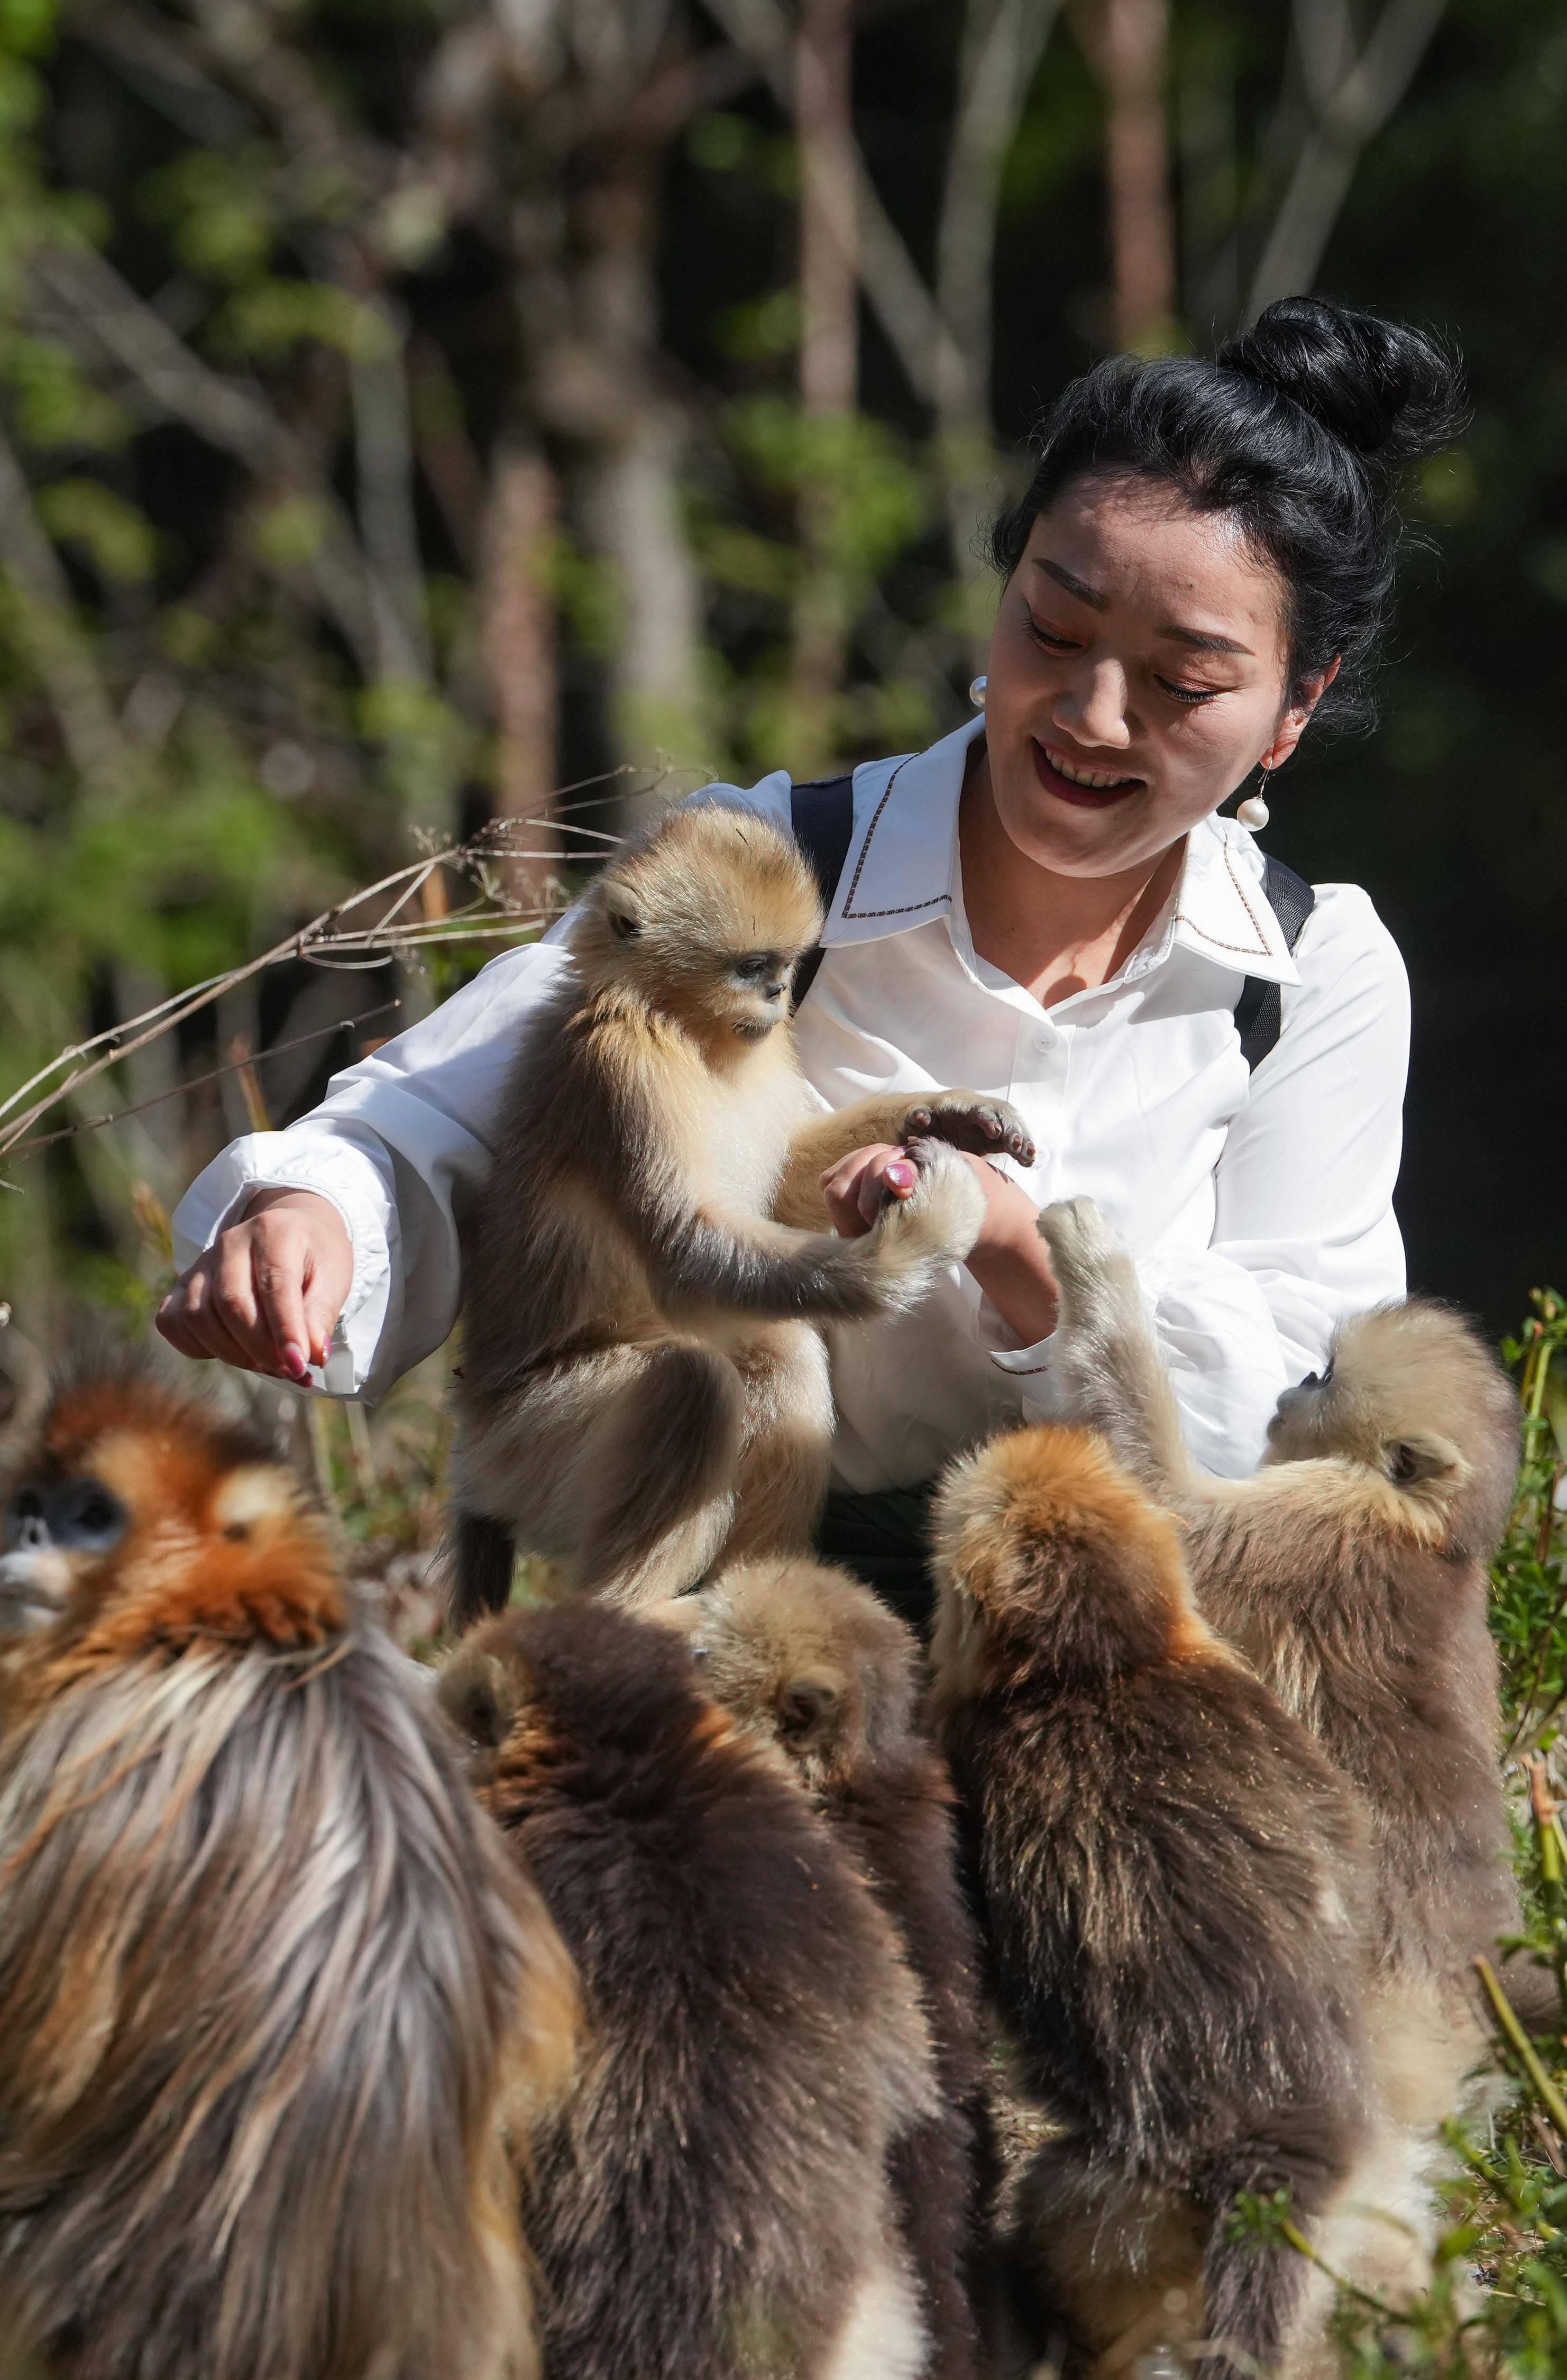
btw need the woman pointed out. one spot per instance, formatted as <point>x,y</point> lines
<point>1045,904</point>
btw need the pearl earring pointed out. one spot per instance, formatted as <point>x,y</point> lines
<point>977,693</point>
<point>1253,813</point>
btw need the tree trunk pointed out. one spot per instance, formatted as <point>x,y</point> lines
<point>632,510</point>
<point>599,386</point>
<point>1133,61</point>
<point>1003,41</point>
<point>519,654</point>
<point>829,349</point>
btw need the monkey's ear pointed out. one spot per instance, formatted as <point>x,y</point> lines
<point>620,908</point>
<point>1424,1454</point>
<point>481,1703</point>
<point>806,1706</point>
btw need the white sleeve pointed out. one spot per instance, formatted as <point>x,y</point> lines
<point>397,1139</point>
<point>1304,1227</point>
<point>393,1143</point>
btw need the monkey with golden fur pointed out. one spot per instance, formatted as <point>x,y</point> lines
<point>644,1384</point>
<point>806,1661</point>
<point>1171,1877</point>
<point>1352,1572</point>
<point>270,1989</point>
<point>709,2200</point>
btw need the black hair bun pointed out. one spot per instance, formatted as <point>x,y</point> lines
<point>1385,392</point>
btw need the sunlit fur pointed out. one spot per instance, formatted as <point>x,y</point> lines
<point>1352,1570</point>
<point>1170,1877</point>
<point>710,2200</point>
<point>642,1383</point>
<point>806,1661</point>
<point>269,1987</point>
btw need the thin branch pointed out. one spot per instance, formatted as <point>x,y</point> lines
<point>56,646</point>
<point>327,939</point>
<point>107,319</point>
<point>243,47</point>
<point>1296,2238</point>
<point>1352,94</point>
<point>1522,2046</point>
<point>383,449</point>
<point>1219,303</point>
<point>1003,41</point>
<point>235,1066</point>
<point>930,356</point>
<point>148,52</point>
<point>1002,52</point>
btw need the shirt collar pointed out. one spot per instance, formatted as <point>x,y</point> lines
<point>903,852</point>
<point>1221,911</point>
<point>903,862</point>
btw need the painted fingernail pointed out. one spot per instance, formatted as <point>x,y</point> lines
<point>900,1177</point>
<point>294,1361</point>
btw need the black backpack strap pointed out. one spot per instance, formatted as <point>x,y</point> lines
<point>822,812</point>
<point>1259,1010</point>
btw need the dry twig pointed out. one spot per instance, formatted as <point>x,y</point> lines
<point>401,925</point>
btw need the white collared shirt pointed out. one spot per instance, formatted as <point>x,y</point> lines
<point>1259,1207</point>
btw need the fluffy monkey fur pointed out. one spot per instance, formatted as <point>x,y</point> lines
<point>641,1383</point>
<point>270,1986</point>
<point>709,2200</point>
<point>1352,1571</point>
<point>808,1661</point>
<point>1170,1872</point>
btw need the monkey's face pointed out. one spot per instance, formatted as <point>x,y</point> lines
<point>803,1658</point>
<point>706,919</point>
<point>55,1531</point>
<point>131,1487</point>
<point>1410,1394</point>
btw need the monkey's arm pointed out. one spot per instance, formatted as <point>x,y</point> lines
<point>698,1257</point>
<point>964,1120</point>
<point>1106,1358</point>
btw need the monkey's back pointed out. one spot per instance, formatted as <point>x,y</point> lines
<point>895,1820</point>
<point>711,2189</point>
<point>260,1969</point>
<point>542,1248</point>
<point>1378,1643</point>
<point>1162,1858</point>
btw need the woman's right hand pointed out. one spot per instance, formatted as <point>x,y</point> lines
<point>858,1187</point>
<point>267,1293</point>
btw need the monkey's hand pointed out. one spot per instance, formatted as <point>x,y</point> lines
<point>936,1224</point>
<point>965,1120</point>
<point>1093,1264</point>
<point>1105,1359</point>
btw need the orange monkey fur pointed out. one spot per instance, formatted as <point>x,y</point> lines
<point>269,1987</point>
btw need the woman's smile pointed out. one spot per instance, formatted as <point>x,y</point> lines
<point>1079,782</point>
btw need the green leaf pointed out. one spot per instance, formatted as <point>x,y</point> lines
<point>119,539</point>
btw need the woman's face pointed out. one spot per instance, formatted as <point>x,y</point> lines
<point>1136,674</point>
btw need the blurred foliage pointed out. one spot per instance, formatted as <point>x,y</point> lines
<point>244,660</point>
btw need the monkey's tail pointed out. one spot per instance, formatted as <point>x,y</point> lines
<point>483,1556</point>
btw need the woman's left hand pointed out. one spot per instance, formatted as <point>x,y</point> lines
<point>1009,1259</point>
